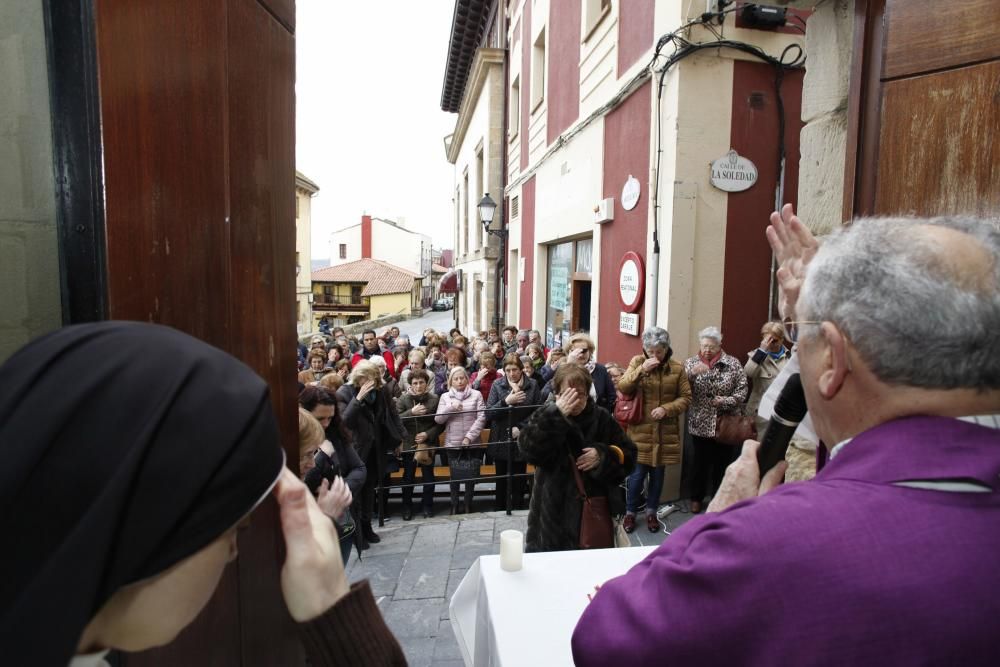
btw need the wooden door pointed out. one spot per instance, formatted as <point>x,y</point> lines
<point>924,129</point>
<point>197,138</point>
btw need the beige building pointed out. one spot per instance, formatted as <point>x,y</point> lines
<point>305,190</point>
<point>365,289</point>
<point>474,89</point>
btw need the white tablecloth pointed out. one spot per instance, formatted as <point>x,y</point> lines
<point>527,617</point>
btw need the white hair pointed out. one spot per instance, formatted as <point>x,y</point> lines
<point>655,337</point>
<point>913,316</point>
<point>711,332</point>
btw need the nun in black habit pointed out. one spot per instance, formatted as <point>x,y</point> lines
<point>124,478</point>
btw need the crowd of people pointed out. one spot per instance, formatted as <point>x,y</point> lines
<point>404,407</point>
<point>387,405</point>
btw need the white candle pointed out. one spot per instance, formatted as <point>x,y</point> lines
<point>511,550</point>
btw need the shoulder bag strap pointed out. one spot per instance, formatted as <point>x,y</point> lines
<point>577,477</point>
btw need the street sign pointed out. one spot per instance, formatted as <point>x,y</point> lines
<point>628,323</point>
<point>733,173</point>
<point>630,193</point>
<point>631,282</point>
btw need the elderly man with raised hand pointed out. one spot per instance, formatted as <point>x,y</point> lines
<point>889,556</point>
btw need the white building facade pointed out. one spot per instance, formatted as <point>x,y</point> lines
<point>474,89</point>
<point>305,190</point>
<point>389,241</point>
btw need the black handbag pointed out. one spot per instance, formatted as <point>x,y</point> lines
<point>465,466</point>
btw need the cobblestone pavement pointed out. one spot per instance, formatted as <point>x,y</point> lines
<point>417,566</point>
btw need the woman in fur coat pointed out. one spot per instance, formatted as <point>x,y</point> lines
<point>571,426</point>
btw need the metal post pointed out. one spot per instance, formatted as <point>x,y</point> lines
<point>510,462</point>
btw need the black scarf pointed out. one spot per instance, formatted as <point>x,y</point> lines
<point>126,448</point>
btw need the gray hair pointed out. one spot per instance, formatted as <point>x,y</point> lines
<point>655,337</point>
<point>711,332</point>
<point>913,313</point>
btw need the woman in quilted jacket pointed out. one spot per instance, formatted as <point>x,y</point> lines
<point>718,386</point>
<point>460,409</point>
<point>666,394</point>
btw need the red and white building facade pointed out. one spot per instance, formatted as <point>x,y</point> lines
<point>573,144</point>
<point>581,129</point>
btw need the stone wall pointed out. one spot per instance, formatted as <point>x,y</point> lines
<point>829,41</point>
<point>29,259</point>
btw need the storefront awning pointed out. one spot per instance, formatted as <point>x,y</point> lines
<point>449,283</point>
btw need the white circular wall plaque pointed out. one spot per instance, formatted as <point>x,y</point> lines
<point>631,282</point>
<point>630,193</point>
<point>733,173</point>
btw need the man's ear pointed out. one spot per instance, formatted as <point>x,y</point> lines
<point>835,363</point>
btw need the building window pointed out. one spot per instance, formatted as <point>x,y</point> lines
<point>515,206</point>
<point>343,251</point>
<point>297,200</point>
<point>465,213</point>
<point>480,187</point>
<point>569,290</point>
<point>514,115</point>
<point>593,12</point>
<point>538,71</point>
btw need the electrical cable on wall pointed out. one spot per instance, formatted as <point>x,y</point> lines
<point>683,49</point>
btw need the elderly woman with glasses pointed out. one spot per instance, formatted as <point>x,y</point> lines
<point>718,386</point>
<point>666,394</point>
<point>763,365</point>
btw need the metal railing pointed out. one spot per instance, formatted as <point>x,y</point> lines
<point>507,419</point>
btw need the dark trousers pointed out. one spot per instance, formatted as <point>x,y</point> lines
<point>518,484</point>
<point>710,461</point>
<point>463,454</point>
<point>367,500</point>
<point>410,474</point>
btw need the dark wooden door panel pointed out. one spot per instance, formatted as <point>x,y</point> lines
<point>283,11</point>
<point>162,71</point>
<point>926,35</point>
<point>939,149</point>
<point>262,233</point>
<point>262,187</point>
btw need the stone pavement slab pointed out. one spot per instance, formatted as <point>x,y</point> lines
<point>422,577</point>
<point>435,538</point>
<point>413,618</point>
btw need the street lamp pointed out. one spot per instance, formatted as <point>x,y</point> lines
<point>487,212</point>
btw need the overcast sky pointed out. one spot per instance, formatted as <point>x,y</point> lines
<point>368,114</point>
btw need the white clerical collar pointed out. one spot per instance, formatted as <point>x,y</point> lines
<point>90,660</point>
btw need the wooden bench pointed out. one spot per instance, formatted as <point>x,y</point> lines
<point>442,474</point>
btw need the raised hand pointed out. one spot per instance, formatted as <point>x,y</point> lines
<point>569,401</point>
<point>366,389</point>
<point>334,499</point>
<point>794,247</point>
<point>312,578</point>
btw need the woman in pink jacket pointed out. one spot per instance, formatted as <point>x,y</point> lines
<point>461,411</point>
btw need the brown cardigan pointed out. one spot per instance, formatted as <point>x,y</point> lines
<point>666,387</point>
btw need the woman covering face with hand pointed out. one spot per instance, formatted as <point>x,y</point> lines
<point>154,478</point>
<point>573,427</point>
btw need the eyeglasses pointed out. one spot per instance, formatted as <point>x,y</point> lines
<point>792,328</point>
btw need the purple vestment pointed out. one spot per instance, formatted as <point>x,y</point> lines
<point>846,569</point>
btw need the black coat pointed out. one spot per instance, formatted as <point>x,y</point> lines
<point>374,427</point>
<point>604,387</point>
<point>547,441</point>
<point>497,412</point>
<point>345,463</point>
